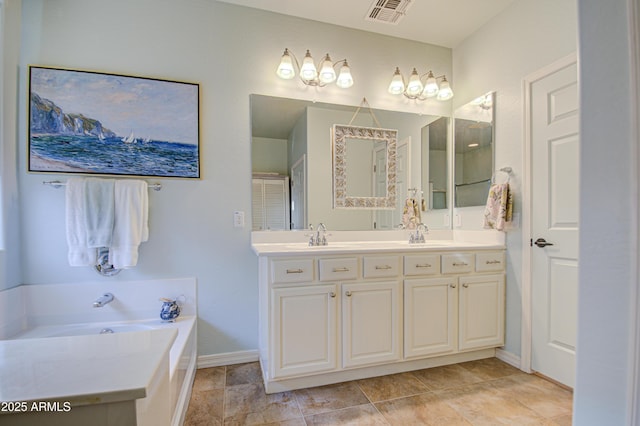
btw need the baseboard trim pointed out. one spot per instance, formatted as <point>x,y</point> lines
<point>228,358</point>
<point>509,358</point>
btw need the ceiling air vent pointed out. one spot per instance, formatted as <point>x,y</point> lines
<point>387,11</point>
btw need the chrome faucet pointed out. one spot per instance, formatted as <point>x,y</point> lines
<point>418,236</point>
<point>320,238</point>
<point>321,235</point>
<point>103,300</point>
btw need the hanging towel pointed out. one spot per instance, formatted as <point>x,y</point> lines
<point>89,218</point>
<point>99,211</point>
<point>131,226</point>
<point>499,209</point>
<point>411,214</point>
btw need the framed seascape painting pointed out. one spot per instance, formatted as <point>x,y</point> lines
<point>95,123</point>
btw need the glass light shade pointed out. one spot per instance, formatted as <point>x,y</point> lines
<point>431,86</point>
<point>396,87</point>
<point>445,92</point>
<point>285,69</point>
<point>308,69</point>
<point>327,73</point>
<point>345,80</point>
<point>414,87</point>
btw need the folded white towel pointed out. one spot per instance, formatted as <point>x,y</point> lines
<point>99,211</point>
<point>89,218</point>
<point>131,226</point>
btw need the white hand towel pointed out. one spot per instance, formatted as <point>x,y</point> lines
<point>131,226</point>
<point>99,211</point>
<point>79,253</point>
<point>89,218</point>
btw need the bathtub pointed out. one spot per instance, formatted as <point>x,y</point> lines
<point>64,311</point>
<point>182,355</point>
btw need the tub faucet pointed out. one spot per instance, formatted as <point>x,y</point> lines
<point>103,300</point>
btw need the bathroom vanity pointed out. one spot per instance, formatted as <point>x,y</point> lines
<point>351,310</point>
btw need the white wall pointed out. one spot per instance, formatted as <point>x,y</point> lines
<point>232,52</point>
<point>524,38</point>
<point>607,356</point>
<point>269,155</point>
<point>10,11</point>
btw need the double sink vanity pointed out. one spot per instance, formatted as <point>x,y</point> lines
<point>358,308</point>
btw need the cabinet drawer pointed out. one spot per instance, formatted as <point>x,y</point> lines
<point>380,266</point>
<point>291,271</point>
<point>490,261</point>
<point>338,269</point>
<point>457,263</point>
<point>422,264</point>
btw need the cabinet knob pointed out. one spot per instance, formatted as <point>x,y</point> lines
<point>452,285</point>
<point>332,294</point>
<point>465,285</point>
<point>347,293</point>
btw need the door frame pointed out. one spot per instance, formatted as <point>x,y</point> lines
<point>526,344</point>
<point>301,161</point>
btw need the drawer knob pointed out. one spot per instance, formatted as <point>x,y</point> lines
<point>383,267</point>
<point>460,264</point>
<point>343,269</point>
<point>423,265</point>
<point>332,294</point>
<point>347,293</point>
<point>294,271</point>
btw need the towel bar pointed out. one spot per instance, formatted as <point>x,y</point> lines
<point>58,184</point>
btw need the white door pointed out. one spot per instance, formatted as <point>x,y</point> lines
<point>555,149</point>
<point>389,219</point>
<point>298,194</point>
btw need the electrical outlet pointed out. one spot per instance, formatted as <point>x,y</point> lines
<point>238,219</point>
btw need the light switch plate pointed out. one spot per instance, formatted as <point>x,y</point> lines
<point>238,219</point>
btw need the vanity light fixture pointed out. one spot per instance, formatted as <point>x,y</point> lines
<point>421,87</point>
<point>309,72</point>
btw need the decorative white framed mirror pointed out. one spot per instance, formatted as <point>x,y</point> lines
<point>364,167</point>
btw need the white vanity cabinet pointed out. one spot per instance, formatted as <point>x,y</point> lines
<point>304,329</point>
<point>430,316</point>
<point>371,323</point>
<point>481,305</point>
<point>326,318</point>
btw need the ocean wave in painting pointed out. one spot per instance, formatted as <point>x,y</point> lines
<point>113,155</point>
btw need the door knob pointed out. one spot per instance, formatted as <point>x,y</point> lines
<point>541,242</point>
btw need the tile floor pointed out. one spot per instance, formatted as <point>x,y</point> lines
<point>484,392</point>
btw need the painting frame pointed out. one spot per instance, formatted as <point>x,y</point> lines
<point>97,123</point>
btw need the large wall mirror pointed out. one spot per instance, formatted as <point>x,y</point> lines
<point>474,152</point>
<point>292,165</point>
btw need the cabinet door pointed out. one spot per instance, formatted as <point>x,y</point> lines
<point>304,321</point>
<point>371,323</point>
<point>481,311</point>
<point>430,316</point>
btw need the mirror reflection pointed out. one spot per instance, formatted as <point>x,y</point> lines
<point>292,139</point>
<point>474,153</point>
<point>365,179</point>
